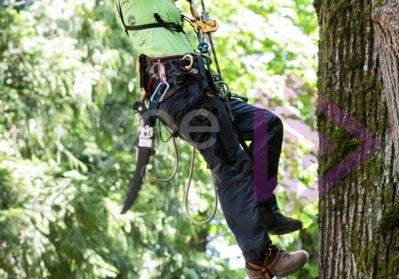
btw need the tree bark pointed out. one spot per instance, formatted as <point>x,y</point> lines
<point>359,193</point>
<point>386,23</point>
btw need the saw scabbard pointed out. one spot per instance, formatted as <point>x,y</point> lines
<point>146,132</point>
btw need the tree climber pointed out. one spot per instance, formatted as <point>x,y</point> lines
<point>176,82</point>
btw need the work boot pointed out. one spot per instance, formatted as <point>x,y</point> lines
<point>277,263</point>
<point>275,222</point>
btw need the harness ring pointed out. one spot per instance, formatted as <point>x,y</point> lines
<point>187,57</point>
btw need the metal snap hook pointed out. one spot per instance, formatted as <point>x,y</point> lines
<point>159,86</point>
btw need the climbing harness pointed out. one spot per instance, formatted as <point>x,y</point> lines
<point>162,83</point>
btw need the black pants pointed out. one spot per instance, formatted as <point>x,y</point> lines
<point>204,122</point>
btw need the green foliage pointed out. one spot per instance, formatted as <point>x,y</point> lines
<point>67,140</point>
<point>259,42</point>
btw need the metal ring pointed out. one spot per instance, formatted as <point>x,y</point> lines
<point>187,57</point>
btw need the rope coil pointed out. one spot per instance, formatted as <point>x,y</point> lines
<point>188,186</point>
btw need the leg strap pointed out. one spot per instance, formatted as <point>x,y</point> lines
<point>272,256</point>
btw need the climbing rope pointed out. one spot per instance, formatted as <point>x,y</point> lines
<point>186,198</point>
<point>176,166</point>
<point>188,186</point>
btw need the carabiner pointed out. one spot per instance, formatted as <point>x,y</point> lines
<point>167,86</point>
<point>222,89</point>
<point>165,91</point>
<point>163,78</point>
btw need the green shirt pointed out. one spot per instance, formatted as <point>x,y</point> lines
<point>155,42</point>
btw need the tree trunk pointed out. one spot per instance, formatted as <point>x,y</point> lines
<point>358,126</point>
<point>386,22</point>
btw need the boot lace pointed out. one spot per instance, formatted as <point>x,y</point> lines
<point>285,255</point>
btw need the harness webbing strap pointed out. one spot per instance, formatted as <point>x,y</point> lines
<point>160,23</point>
<point>168,25</point>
